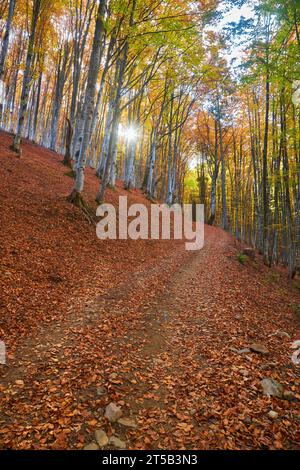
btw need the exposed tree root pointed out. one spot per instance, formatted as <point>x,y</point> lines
<point>127,186</point>
<point>151,199</point>
<point>295,271</point>
<point>78,201</point>
<point>71,174</point>
<point>67,162</point>
<point>211,220</point>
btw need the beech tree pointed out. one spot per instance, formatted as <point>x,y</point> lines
<point>4,49</point>
<point>27,75</point>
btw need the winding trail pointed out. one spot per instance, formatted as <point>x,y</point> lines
<point>168,359</point>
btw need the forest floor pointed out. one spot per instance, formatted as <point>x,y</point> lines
<point>144,324</point>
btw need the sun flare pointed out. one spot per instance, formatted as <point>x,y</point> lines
<point>129,133</point>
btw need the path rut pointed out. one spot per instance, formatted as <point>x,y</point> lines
<point>167,360</point>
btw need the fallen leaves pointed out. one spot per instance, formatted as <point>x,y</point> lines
<point>149,327</point>
<point>20,383</point>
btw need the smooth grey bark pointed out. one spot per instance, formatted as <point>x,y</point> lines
<point>257,214</point>
<point>181,117</point>
<point>111,149</point>
<point>265,171</point>
<point>61,77</point>
<point>90,97</point>
<point>43,117</point>
<point>264,182</point>
<point>108,59</point>
<point>116,113</point>
<point>113,164</point>
<point>27,76</point>
<point>148,179</point>
<point>152,159</point>
<point>30,112</point>
<point>181,114</point>
<point>129,178</point>
<point>37,106</point>
<point>276,164</point>
<point>170,155</point>
<point>68,141</point>
<point>108,122</point>
<point>214,178</point>
<point>130,165</point>
<point>286,181</point>
<point>105,143</point>
<point>5,41</point>
<point>5,44</point>
<point>115,119</point>
<point>296,192</point>
<point>81,28</point>
<point>225,224</point>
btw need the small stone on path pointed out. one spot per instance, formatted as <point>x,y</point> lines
<point>272,414</point>
<point>116,442</point>
<point>20,383</point>
<point>101,438</point>
<point>259,348</point>
<point>113,412</point>
<point>272,388</point>
<point>127,422</point>
<point>91,446</point>
<point>100,391</point>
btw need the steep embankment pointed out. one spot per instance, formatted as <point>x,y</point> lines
<point>143,324</point>
<point>51,259</point>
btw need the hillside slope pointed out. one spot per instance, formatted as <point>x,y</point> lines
<point>140,323</point>
<point>51,258</point>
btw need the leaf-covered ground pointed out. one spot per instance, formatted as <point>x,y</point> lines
<point>143,324</point>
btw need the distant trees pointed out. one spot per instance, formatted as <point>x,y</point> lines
<point>27,76</point>
<point>76,79</point>
<point>254,137</point>
<point>5,42</point>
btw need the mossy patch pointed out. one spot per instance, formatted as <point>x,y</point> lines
<point>242,258</point>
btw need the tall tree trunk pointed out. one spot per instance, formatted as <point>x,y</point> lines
<point>37,105</point>
<point>265,162</point>
<point>5,44</point>
<point>214,178</point>
<point>67,156</point>
<point>169,198</point>
<point>116,114</point>
<point>59,87</point>
<point>105,143</point>
<point>223,170</point>
<point>152,158</point>
<point>132,151</point>
<point>88,106</point>
<point>286,180</point>
<point>27,76</point>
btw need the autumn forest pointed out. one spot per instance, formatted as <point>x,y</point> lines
<point>141,344</point>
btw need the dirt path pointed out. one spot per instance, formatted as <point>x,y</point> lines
<point>168,359</point>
